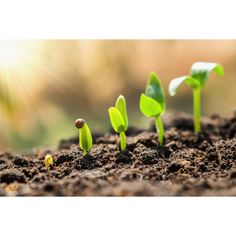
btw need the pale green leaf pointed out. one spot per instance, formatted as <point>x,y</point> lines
<point>121,106</point>
<point>117,120</point>
<point>175,83</point>
<point>154,90</point>
<point>85,138</point>
<point>201,71</point>
<point>149,106</point>
<point>193,83</point>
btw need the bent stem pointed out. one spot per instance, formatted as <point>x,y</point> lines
<point>122,141</point>
<point>196,109</point>
<point>160,129</point>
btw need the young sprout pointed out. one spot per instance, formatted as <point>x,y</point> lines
<point>152,103</point>
<point>48,161</point>
<point>199,74</point>
<point>85,137</point>
<point>119,119</point>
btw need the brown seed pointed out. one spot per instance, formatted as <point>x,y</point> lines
<point>79,123</point>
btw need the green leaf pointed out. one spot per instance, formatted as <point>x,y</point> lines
<point>117,120</point>
<point>175,83</point>
<point>201,71</point>
<point>149,106</point>
<point>121,106</point>
<point>193,83</point>
<point>85,138</point>
<point>155,90</point>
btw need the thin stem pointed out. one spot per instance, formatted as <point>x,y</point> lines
<point>160,129</point>
<point>122,141</point>
<point>196,109</point>
<point>85,153</point>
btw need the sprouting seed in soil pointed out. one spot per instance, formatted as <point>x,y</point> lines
<point>48,161</point>
<point>199,74</point>
<point>85,137</point>
<point>152,103</point>
<point>119,120</point>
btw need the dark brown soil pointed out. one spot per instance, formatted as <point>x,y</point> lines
<point>187,164</point>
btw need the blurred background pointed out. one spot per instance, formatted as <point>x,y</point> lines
<point>45,85</point>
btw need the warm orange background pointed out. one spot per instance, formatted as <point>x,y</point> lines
<point>62,80</point>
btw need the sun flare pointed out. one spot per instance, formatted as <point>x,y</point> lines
<point>12,54</point>
<point>19,69</point>
<point>24,75</point>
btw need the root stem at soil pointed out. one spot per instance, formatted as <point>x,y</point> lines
<point>122,141</point>
<point>160,129</point>
<point>197,109</point>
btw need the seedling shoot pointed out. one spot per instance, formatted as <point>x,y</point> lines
<point>48,161</point>
<point>152,103</point>
<point>85,137</point>
<point>119,120</point>
<point>199,74</point>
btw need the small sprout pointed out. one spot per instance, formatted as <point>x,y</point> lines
<point>152,103</point>
<point>199,74</point>
<point>119,119</point>
<point>48,161</point>
<point>85,137</point>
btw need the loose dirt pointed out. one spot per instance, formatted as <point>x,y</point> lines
<point>187,165</point>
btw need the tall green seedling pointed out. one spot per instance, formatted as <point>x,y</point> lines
<point>152,103</point>
<point>199,74</point>
<point>119,120</point>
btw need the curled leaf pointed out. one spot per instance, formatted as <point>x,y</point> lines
<point>202,70</point>
<point>175,83</point>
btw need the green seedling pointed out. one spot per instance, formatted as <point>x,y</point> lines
<point>48,161</point>
<point>152,103</point>
<point>119,120</point>
<point>199,74</point>
<point>85,137</point>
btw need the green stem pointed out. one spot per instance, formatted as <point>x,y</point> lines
<point>196,109</point>
<point>160,129</point>
<point>122,141</point>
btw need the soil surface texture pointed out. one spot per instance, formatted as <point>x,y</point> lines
<point>187,165</point>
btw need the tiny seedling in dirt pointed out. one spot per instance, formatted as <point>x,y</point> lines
<point>152,103</point>
<point>85,137</point>
<point>199,74</point>
<point>119,120</point>
<point>48,161</point>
